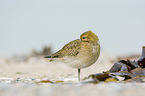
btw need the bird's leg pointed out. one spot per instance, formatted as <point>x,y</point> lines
<point>79,74</point>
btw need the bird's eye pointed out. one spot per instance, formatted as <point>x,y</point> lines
<point>84,37</point>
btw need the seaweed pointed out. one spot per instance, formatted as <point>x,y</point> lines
<point>129,71</point>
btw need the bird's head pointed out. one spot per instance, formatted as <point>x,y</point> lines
<point>89,36</point>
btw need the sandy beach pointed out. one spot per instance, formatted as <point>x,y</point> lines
<point>19,77</point>
<point>39,67</point>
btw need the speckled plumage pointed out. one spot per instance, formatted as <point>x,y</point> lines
<point>80,53</point>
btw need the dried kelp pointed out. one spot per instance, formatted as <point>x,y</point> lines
<point>48,81</point>
<point>130,71</point>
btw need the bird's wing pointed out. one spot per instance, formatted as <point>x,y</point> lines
<point>70,49</point>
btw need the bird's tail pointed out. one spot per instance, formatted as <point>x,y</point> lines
<point>50,58</point>
<point>47,56</point>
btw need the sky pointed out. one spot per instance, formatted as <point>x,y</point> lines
<point>33,24</point>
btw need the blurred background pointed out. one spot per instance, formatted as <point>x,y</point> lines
<point>26,25</point>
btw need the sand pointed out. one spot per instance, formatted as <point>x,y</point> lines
<point>18,77</point>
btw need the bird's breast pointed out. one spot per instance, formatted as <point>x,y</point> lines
<point>88,54</point>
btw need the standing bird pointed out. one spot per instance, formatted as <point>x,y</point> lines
<point>79,53</point>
